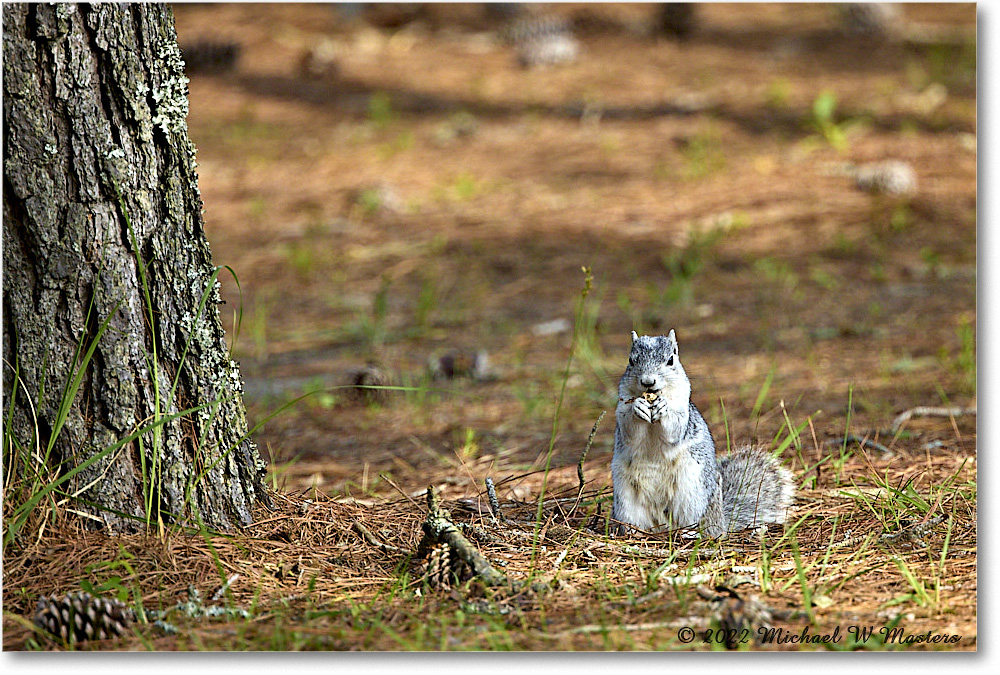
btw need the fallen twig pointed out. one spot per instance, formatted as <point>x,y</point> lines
<point>491,492</point>
<point>863,442</point>
<point>927,411</point>
<point>912,533</point>
<point>370,538</point>
<point>478,533</point>
<point>694,622</point>
<point>439,528</point>
<point>224,587</point>
<point>560,558</point>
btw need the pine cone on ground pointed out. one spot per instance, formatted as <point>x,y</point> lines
<point>372,376</point>
<point>542,41</point>
<point>80,616</point>
<point>891,177</point>
<point>737,617</point>
<point>320,61</point>
<point>441,567</point>
<point>677,19</point>
<point>533,28</point>
<point>741,615</point>
<point>461,363</point>
<point>870,19</point>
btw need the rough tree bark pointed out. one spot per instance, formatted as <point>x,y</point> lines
<point>95,106</point>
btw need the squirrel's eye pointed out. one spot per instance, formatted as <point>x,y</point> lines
<point>670,361</point>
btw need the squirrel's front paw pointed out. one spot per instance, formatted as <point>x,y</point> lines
<point>657,408</point>
<point>642,410</point>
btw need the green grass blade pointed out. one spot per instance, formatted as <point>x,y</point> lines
<point>22,512</point>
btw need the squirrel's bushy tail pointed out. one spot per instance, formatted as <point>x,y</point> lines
<point>756,489</point>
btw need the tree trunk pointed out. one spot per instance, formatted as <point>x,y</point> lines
<point>102,221</point>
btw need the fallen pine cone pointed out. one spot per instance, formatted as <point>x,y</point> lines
<point>461,363</point>
<point>891,177</point>
<point>371,376</point>
<point>80,616</point>
<point>441,568</point>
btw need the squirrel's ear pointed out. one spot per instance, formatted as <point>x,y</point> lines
<point>634,337</point>
<point>673,338</point>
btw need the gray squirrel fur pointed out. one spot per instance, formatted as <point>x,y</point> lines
<point>664,469</point>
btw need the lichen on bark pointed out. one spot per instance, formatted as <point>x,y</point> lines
<point>100,190</point>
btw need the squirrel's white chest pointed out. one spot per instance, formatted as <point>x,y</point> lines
<point>657,480</point>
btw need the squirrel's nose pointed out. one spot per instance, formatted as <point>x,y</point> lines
<point>647,381</point>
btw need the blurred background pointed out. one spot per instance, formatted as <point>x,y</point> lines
<point>408,193</point>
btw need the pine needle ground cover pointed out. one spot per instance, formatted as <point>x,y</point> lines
<point>317,573</point>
